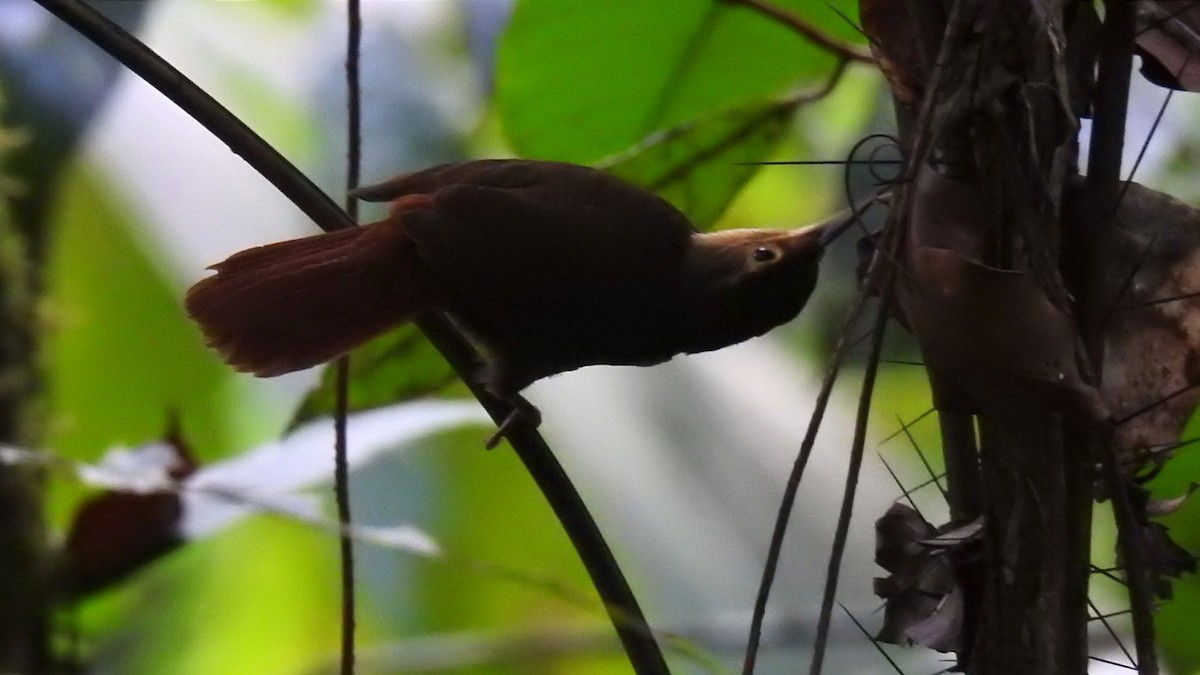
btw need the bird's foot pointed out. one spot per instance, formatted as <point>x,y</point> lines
<point>524,415</point>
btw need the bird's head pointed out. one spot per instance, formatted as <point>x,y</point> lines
<point>753,280</point>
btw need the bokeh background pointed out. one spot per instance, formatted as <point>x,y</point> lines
<point>683,464</point>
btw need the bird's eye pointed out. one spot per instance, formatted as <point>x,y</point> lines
<point>764,254</point>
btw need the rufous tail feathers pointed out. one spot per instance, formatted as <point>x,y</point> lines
<point>287,306</point>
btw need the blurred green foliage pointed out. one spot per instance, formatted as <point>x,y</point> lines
<point>398,366</point>
<point>701,166</point>
<point>672,94</point>
<point>121,355</point>
<point>578,82</point>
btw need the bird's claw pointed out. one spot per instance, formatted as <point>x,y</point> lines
<point>523,415</point>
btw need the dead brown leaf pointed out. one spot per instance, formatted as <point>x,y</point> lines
<point>1168,40</point>
<point>923,599</point>
<point>1150,280</point>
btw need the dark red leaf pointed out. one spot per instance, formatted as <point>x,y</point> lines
<point>116,533</point>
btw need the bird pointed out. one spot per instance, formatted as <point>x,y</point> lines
<point>545,266</point>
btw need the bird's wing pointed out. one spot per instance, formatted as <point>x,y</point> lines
<point>565,256</point>
<point>533,226</point>
<point>500,173</point>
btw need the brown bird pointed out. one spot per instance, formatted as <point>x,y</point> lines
<point>547,266</point>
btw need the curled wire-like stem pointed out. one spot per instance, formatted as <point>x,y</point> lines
<point>783,516</point>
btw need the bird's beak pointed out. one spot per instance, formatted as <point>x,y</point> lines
<point>838,224</point>
<point>834,229</point>
<point>811,237</point>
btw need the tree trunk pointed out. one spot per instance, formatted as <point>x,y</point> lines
<point>988,111</point>
<point>23,555</point>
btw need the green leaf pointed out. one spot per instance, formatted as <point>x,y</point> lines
<point>398,366</point>
<point>211,606</point>
<point>579,81</point>
<point>122,356</point>
<point>701,165</point>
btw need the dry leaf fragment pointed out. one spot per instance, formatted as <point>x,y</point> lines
<point>923,598</point>
<point>1164,559</point>
<point>1168,40</point>
<point>1148,278</point>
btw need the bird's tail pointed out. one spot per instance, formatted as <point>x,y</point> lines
<point>287,306</point>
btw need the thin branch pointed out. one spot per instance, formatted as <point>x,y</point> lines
<point>808,31</point>
<point>1129,543</point>
<point>560,494</point>
<point>821,162</point>
<point>852,471</point>
<point>905,493</point>
<point>927,482</point>
<point>933,476</point>
<point>1141,156</point>
<point>779,110</point>
<point>1111,632</point>
<point>1151,406</point>
<point>1162,111</point>
<point>905,425</point>
<point>1158,301</point>
<point>341,463</point>
<point>640,646</point>
<point>1103,179</point>
<point>1109,573</point>
<point>878,647</point>
<point>1097,659</point>
<point>1111,615</point>
<point>793,484</point>
<point>341,491</point>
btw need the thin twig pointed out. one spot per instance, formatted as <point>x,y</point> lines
<point>821,162</point>
<point>933,475</point>
<point>790,489</point>
<point>1151,406</point>
<point>905,493</point>
<point>1097,659</point>
<point>1109,573</point>
<point>341,463</point>
<point>1111,632</point>
<point>1158,301</point>
<point>856,455</point>
<point>780,110</point>
<point>640,646</point>
<point>810,32</point>
<point>623,610</point>
<point>927,482</point>
<point>793,484</point>
<point>1111,615</point>
<point>878,647</point>
<point>341,489</point>
<point>1129,542</point>
<point>905,425</point>
<point>1162,111</point>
